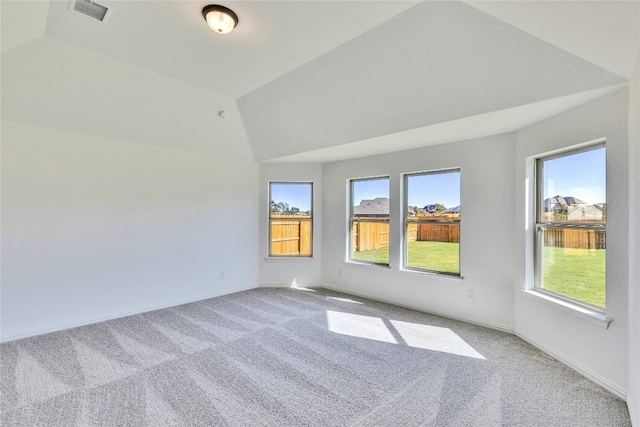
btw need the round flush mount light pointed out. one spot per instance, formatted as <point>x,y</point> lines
<point>220,19</point>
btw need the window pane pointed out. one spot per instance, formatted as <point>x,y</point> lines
<point>573,187</point>
<point>290,199</point>
<point>371,198</point>
<point>430,243</point>
<point>370,240</point>
<point>291,219</point>
<point>436,247</point>
<point>434,196</point>
<point>290,237</point>
<point>573,264</point>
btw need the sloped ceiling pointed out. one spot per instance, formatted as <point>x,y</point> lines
<point>606,33</point>
<point>171,37</point>
<point>55,84</point>
<point>437,62</point>
<point>311,81</point>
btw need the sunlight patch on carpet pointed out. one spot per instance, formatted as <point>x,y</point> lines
<point>356,325</point>
<point>416,335</point>
<point>434,338</point>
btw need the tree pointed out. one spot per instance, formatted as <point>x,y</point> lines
<point>283,208</point>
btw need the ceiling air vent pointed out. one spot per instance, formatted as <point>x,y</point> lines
<point>90,9</point>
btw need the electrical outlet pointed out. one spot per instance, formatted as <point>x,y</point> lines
<point>340,272</point>
<point>470,295</point>
<point>221,275</point>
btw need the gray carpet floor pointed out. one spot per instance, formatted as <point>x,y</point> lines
<point>292,357</point>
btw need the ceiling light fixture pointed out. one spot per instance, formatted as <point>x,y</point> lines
<point>221,19</point>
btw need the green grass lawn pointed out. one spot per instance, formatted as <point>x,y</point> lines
<point>378,256</point>
<point>437,256</point>
<point>576,273</point>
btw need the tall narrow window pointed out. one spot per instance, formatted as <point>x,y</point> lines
<point>432,222</point>
<point>290,219</point>
<point>370,220</point>
<point>571,226</point>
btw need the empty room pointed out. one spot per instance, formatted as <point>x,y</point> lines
<point>320,213</point>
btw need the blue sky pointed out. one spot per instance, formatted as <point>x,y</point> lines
<point>295,194</point>
<point>580,175</point>
<point>369,189</point>
<point>423,190</point>
<point>443,188</point>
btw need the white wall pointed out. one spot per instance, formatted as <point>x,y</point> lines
<point>589,347</point>
<point>285,271</point>
<point>487,192</point>
<point>94,227</point>
<point>633,392</point>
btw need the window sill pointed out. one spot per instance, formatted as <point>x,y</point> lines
<point>592,316</point>
<point>289,259</point>
<point>365,265</point>
<point>433,276</point>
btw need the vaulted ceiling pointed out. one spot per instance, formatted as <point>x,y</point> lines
<point>311,81</point>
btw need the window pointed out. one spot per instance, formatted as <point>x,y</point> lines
<point>370,221</point>
<point>290,219</point>
<point>432,222</point>
<point>571,217</point>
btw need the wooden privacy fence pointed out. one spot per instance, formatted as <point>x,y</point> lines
<point>575,239</point>
<point>368,236</point>
<point>436,232</point>
<point>290,236</point>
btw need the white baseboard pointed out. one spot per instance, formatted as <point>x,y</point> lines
<point>91,320</point>
<point>289,285</point>
<point>603,382</point>
<point>495,326</point>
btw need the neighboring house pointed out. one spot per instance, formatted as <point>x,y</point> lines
<point>561,204</point>
<point>431,209</point>
<point>574,209</point>
<point>376,208</point>
<point>584,213</point>
<point>450,211</point>
<point>602,207</point>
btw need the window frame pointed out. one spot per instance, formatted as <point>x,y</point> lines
<point>540,224</point>
<point>352,220</point>
<point>406,222</point>
<point>271,219</point>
